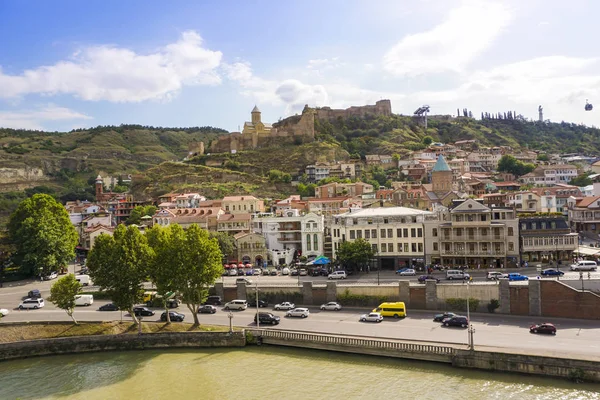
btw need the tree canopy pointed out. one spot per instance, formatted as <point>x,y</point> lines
<point>581,180</point>
<point>355,254</point>
<point>226,242</point>
<point>513,166</point>
<point>63,292</point>
<point>43,235</point>
<point>138,212</point>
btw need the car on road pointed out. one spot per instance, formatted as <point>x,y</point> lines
<point>331,306</point>
<point>337,275</point>
<point>443,316</point>
<point>286,305</point>
<point>552,272</point>
<point>51,275</point>
<point>261,303</point>
<point>543,328</point>
<point>401,270</point>
<point>108,307</point>
<point>34,294</point>
<point>4,312</point>
<point>236,305</point>
<point>371,317</point>
<point>515,276</point>
<point>424,278</point>
<point>267,318</point>
<point>455,274</point>
<point>584,265</point>
<point>32,303</point>
<point>302,272</point>
<point>457,320</point>
<point>207,309</point>
<point>174,316</point>
<point>243,280</point>
<point>408,272</point>
<point>142,311</point>
<point>298,312</point>
<point>495,275</point>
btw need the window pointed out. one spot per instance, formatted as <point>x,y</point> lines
<point>419,232</point>
<point>316,242</point>
<point>308,241</point>
<point>383,248</point>
<point>226,208</point>
<point>413,247</point>
<point>245,207</point>
<point>399,247</point>
<point>543,225</point>
<point>420,245</point>
<point>314,225</point>
<point>405,232</point>
<point>374,247</point>
<point>406,247</point>
<point>359,234</point>
<point>390,247</point>
<point>390,233</point>
<point>352,234</point>
<point>385,221</point>
<point>510,231</point>
<point>374,233</point>
<point>534,225</point>
<point>383,233</point>
<point>435,247</point>
<point>484,218</point>
<point>367,234</point>
<point>523,226</point>
<point>399,232</point>
<point>413,232</point>
<point>434,232</point>
<point>553,225</point>
<point>511,246</point>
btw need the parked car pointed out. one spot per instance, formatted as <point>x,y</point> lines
<point>331,306</point>
<point>207,309</point>
<point>213,300</point>
<point>401,270</point>
<point>261,303</point>
<point>174,316</point>
<point>495,275</point>
<point>543,328</point>
<point>457,320</point>
<point>32,303</point>
<point>142,311</point>
<point>267,318</point>
<point>515,276</point>
<point>233,272</point>
<point>552,272</point>
<point>244,280</point>
<point>424,278</point>
<point>4,312</point>
<point>236,305</point>
<point>302,272</point>
<point>442,317</point>
<point>286,305</point>
<point>285,271</point>
<point>298,312</point>
<point>408,272</point>
<point>256,271</point>
<point>34,294</point>
<point>371,317</point>
<point>273,272</point>
<point>249,272</point>
<point>108,307</point>
<point>337,275</point>
<point>293,272</point>
<point>50,276</point>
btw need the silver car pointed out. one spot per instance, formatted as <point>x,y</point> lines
<point>371,317</point>
<point>298,312</point>
<point>331,306</point>
<point>284,306</point>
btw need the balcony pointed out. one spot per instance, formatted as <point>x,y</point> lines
<point>475,253</point>
<point>472,238</point>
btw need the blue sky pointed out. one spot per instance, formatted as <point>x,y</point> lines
<point>71,64</point>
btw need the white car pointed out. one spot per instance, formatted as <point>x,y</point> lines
<point>4,312</point>
<point>284,306</point>
<point>51,275</point>
<point>233,272</point>
<point>371,317</point>
<point>337,275</point>
<point>408,272</point>
<point>256,271</point>
<point>303,272</point>
<point>298,312</point>
<point>285,271</point>
<point>495,275</point>
<point>331,306</point>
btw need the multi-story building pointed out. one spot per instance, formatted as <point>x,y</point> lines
<point>189,200</point>
<point>335,189</point>
<point>331,206</point>
<point>382,160</point>
<point>525,201</point>
<point>317,172</point>
<point>234,223</point>
<point>250,248</point>
<point>242,205</point>
<point>395,233</point>
<point>546,239</point>
<point>473,234</point>
<point>205,217</point>
<point>550,175</point>
<point>121,207</point>
<point>584,215</point>
<point>487,158</point>
<point>290,233</point>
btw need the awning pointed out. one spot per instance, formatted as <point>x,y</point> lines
<point>588,251</point>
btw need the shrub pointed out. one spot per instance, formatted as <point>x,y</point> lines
<point>461,304</point>
<point>493,305</point>
<point>276,297</point>
<point>350,299</point>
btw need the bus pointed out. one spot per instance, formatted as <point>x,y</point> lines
<point>396,310</point>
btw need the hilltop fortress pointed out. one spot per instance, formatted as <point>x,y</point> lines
<point>295,129</point>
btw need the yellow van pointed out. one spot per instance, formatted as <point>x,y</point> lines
<point>395,310</point>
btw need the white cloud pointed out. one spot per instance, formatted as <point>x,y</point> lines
<point>34,119</point>
<point>121,75</point>
<point>324,63</point>
<point>467,31</point>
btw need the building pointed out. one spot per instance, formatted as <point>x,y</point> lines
<point>396,234</point>
<point>250,248</point>
<point>317,172</point>
<point>547,239</point>
<point>382,160</point>
<point>548,175</point>
<point>291,233</point>
<point>331,206</point>
<point>121,207</point>
<point>335,189</point>
<point>234,223</point>
<point>205,217</point>
<point>242,205</point>
<point>80,210</point>
<point>442,177</point>
<point>189,200</point>
<point>91,234</point>
<point>473,234</point>
<point>584,215</point>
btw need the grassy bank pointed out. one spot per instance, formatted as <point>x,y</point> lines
<point>32,331</point>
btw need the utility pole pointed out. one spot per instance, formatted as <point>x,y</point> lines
<point>257,316</point>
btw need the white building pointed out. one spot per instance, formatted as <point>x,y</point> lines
<point>395,233</point>
<point>290,233</point>
<point>189,200</point>
<point>550,175</point>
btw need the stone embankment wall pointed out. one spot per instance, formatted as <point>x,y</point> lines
<point>86,344</point>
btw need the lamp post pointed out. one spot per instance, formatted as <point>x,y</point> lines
<point>230,316</point>
<point>257,317</point>
<point>470,329</point>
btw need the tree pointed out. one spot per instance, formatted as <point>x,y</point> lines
<point>63,293</point>
<point>427,140</point>
<point>226,242</point>
<point>119,265</point>
<point>43,235</point>
<point>581,180</point>
<point>198,267</point>
<point>511,165</point>
<point>138,212</point>
<point>543,157</point>
<point>355,254</point>
<point>395,158</point>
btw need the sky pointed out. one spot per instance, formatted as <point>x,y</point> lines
<point>70,64</point>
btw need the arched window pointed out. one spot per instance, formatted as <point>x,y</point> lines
<point>308,242</point>
<point>316,242</point>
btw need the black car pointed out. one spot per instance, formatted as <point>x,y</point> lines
<point>442,317</point>
<point>142,311</point>
<point>261,303</point>
<point>207,309</point>
<point>213,300</point>
<point>108,307</point>
<point>457,320</point>
<point>267,318</point>
<point>173,315</point>
<point>425,278</point>
<point>34,294</point>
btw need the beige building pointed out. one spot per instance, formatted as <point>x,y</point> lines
<point>250,248</point>
<point>473,234</point>
<point>242,204</point>
<point>234,223</point>
<point>396,234</point>
<point>91,234</point>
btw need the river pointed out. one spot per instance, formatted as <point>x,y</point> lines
<point>264,373</point>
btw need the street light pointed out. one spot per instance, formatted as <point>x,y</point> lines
<point>230,316</point>
<point>470,329</point>
<point>257,316</point>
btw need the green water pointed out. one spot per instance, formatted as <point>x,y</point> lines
<point>264,373</point>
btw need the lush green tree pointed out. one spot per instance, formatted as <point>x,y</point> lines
<point>277,176</point>
<point>307,190</point>
<point>138,212</point>
<point>356,254</point>
<point>43,235</point>
<point>198,267</point>
<point>378,174</point>
<point>427,140</point>
<point>395,158</point>
<point>120,189</point>
<point>581,180</point>
<point>63,292</point>
<point>543,157</point>
<point>226,242</point>
<point>119,265</point>
<point>513,166</point>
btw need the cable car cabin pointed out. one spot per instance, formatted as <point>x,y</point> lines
<point>588,106</point>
